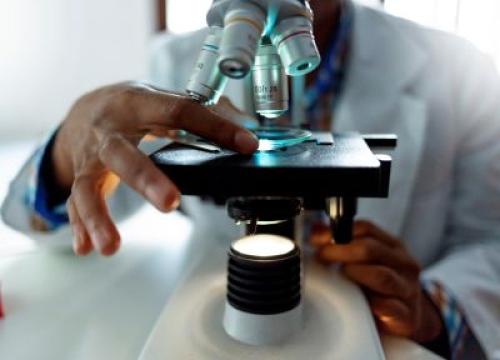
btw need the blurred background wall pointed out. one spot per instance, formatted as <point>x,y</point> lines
<point>475,20</point>
<point>51,51</point>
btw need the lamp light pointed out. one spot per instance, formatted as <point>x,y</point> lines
<point>263,304</point>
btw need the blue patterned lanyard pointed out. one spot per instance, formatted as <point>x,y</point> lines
<point>328,83</point>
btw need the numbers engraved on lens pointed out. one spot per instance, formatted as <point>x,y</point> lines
<point>266,92</point>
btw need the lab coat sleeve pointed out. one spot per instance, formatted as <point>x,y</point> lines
<point>20,216</point>
<point>19,212</point>
<point>470,267</point>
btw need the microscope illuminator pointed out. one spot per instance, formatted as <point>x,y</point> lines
<point>264,300</point>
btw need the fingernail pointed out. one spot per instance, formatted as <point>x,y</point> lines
<point>110,248</point>
<point>101,241</point>
<point>246,141</point>
<point>173,200</point>
<point>164,198</point>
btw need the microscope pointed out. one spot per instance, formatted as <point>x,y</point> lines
<point>295,168</point>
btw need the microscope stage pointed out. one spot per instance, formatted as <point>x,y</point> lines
<point>313,169</point>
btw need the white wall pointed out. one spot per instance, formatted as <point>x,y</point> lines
<point>51,51</point>
<point>187,15</point>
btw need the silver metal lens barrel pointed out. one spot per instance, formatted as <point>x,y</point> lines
<point>270,83</point>
<point>294,39</point>
<point>243,25</point>
<point>207,82</point>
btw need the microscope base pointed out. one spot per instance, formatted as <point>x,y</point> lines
<point>261,330</point>
<point>336,320</point>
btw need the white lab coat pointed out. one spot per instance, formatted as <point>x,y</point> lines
<point>442,98</point>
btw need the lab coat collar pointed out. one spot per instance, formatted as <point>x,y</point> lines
<point>378,97</point>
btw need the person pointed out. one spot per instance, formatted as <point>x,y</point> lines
<point>380,74</point>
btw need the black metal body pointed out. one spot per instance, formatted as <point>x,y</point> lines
<point>323,168</point>
<point>308,170</point>
<point>264,286</point>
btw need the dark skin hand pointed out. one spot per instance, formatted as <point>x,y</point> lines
<point>96,147</point>
<point>388,274</point>
<point>375,260</point>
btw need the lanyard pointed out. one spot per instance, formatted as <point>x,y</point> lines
<point>321,96</point>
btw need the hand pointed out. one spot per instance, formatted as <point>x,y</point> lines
<point>96,147</point>
<point>380,264</point>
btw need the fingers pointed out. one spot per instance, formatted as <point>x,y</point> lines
<point>370,245</point>
<point>179,112</point>
<point>363,228</point>
<point>137,170</point>
<point>379,263</point>
<point>88,200</point>
<point>81,241</point>
<point>367,251</point>
<point>393,316</point>
<point>379,279</point>
<point>320,235</point>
